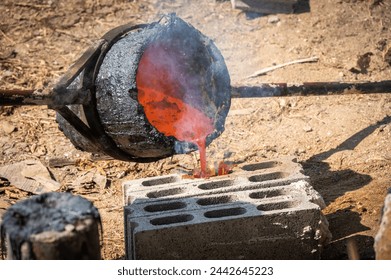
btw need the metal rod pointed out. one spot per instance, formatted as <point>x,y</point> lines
<point>306,89</point>
<point>60,94</point>
<point>38,97</point>
<point>42,97</point>
<point>23,97</point>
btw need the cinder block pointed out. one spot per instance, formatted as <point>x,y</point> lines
<point>278,218</point>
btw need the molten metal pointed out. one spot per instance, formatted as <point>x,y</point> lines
<point>168,97</point>
<point>174,88</point>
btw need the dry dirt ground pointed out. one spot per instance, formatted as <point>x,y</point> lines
<point>342,141</point>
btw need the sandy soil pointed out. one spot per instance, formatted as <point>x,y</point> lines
<point>342,141</point>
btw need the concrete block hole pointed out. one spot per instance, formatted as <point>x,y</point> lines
<point>172,220</point>
<point>261,165</point>
<point>225,212</point>
<point>159,181</point>
<point>268,176</point>
<point>267,194</point>
<point>216,184</point>
<point>282,205</point>
<point>216,200</point>
<point>163,193</point>
<point>165,206</point>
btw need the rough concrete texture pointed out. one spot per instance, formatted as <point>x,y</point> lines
<point>237,216</point>
<point>383,237</point>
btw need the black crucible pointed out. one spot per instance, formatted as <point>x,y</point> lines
<point>115,123</point>
<point>107,116</point>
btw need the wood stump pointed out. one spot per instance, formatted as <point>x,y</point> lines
<point>51,226</point>
<point>383,237</point>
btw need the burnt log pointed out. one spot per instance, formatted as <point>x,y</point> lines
<point>382,243</point>
<point>51,226</point>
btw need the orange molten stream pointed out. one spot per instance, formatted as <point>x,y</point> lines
<point>162,92</point>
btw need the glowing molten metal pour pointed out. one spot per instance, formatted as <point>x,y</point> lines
<point>170,95</point>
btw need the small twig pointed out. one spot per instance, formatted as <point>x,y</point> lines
<point>66,32</point>
<point>28,5</point>
<point>272,68</point>
<point>6,37</point>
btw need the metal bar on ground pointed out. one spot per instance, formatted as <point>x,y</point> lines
<point>307,89</point>
<point>14,97</point>
<point>22,97</point>
<point>38,97</point>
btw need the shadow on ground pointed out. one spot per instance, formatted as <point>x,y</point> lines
<point>345,224</point>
